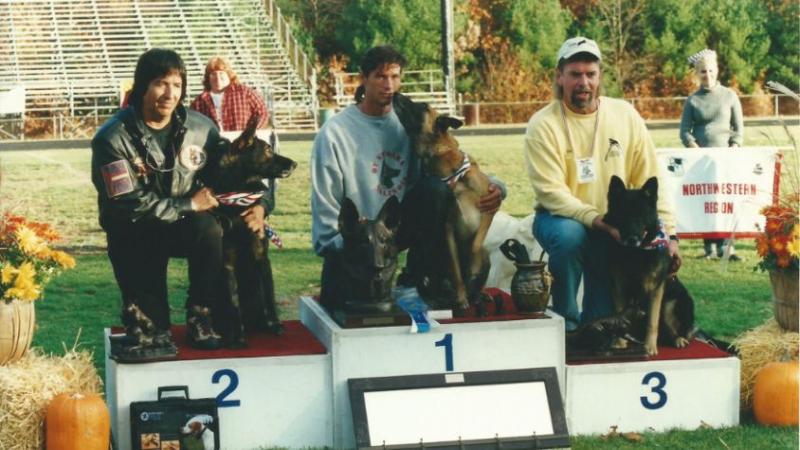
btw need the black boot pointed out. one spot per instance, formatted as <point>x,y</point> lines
<point>142,342</point>
<point>199,332</point>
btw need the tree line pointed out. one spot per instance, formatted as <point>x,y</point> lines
<point>505,49</point>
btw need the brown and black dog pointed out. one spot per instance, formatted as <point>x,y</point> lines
<point>249,291</point>
<point>465,225</point>
<point>640,268</point>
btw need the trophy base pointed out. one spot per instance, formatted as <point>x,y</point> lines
<point>633,352</point>
<point>393,317</point>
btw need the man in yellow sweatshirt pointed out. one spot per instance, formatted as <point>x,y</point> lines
<point>572,148</point>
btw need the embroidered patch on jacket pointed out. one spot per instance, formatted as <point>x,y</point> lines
<point>614,149</point>
<point>192,157</point>
<point>117,178</point>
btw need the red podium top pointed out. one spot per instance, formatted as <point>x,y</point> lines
<point>296,340</point>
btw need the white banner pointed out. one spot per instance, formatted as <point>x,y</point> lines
<point>719,191</point>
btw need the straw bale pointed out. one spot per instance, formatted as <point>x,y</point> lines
<point>28,385</point>
<point>758,347</point>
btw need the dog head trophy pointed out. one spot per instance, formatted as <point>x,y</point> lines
<point>370,253</point>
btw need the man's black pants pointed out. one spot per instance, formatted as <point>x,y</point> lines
<point>139,254</point>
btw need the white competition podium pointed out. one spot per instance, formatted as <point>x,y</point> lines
<point>274,393</point>
<point>292,390</point>
<point>679,388</point>
<point>457,345</point>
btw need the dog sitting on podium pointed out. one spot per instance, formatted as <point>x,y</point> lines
<point>650,305</point>
<point>455,265</point>
<point>249,291</point>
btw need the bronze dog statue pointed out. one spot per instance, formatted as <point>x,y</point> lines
<point>369,258</point>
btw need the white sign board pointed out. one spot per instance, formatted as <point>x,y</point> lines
<point>450,413</point>
<point>12,101</point>
<point>719,191</point>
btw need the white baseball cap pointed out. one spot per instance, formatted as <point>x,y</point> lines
<point>579,44</point>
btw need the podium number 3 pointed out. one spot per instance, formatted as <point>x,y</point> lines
<point>447,343</point>
<point>233,383</point>
<point>657,389</point>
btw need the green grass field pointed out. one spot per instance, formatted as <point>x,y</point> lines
<point>55,186</point>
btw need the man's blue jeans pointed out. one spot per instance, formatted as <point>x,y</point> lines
<point>574,252</point>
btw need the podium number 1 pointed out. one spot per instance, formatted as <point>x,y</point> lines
<point>233,383</point>
<point>657,389</point>
<point>447,343</point>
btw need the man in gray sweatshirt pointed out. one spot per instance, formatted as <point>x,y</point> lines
<point>712,117</point>
<point>363,153</point>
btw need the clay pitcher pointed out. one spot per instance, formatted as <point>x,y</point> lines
<point>530,285</point>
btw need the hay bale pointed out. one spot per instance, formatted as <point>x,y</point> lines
<point>28,385</point>
<point>758,347</point>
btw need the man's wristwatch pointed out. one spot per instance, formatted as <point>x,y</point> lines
<point>673,237</point>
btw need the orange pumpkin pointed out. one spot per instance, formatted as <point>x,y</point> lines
<point>77,421</point>
<point>775,394</point>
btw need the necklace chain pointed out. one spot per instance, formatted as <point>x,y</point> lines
<point>569,135</point>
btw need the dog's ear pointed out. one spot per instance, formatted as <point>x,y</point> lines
<point>348,217</point>
<point>390,214</point>
<point>443,123</point>
<point>616,186</point>
<point>409,113</point>
<point>650,187</point>
<point>245,140</point>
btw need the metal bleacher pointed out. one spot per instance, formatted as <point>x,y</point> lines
<point>72,56</point>
<point>420,85</point>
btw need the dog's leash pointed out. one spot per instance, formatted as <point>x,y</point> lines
<point>245,199</point>
<point>462,170</point>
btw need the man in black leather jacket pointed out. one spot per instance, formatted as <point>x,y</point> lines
<point>145,162</point>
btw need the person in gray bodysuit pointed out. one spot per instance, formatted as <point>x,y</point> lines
<point>712,117</point>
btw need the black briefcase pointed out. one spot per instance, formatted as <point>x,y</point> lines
<point>175,423</point>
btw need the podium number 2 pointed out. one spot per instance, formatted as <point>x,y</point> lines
<point>233,383</point>
<point>657,389</point>
<point>447,343</point>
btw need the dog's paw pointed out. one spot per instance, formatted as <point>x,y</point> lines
<point>276,328</point>
<point>681,342</point>
<point>651,348</point>
<point>481,310</point>
<point>460,311</point>
<point>619,343</point>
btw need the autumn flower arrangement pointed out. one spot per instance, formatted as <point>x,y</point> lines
<point>779,244</point>
<point>27,262</point>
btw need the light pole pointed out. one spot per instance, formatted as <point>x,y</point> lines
<point>448,56</point>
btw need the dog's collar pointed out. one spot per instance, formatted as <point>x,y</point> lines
<point>462,170</point>
<point>245,199</point>
<point>659,241</point>
<point>239,198</point>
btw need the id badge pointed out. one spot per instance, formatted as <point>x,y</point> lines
<point>586,170</point>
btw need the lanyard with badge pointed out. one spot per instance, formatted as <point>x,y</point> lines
<point>584,166</point>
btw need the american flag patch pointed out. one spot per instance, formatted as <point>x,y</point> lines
<point>239,198</point>
<point>117,178</point>
<point>273,237</point>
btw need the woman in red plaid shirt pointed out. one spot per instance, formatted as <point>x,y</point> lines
<point>226,101</point>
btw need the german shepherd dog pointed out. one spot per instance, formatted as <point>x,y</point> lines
<point>640,266</point>
<point>369,258</point>
<point>249,287</point>
<point>465,226</point>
